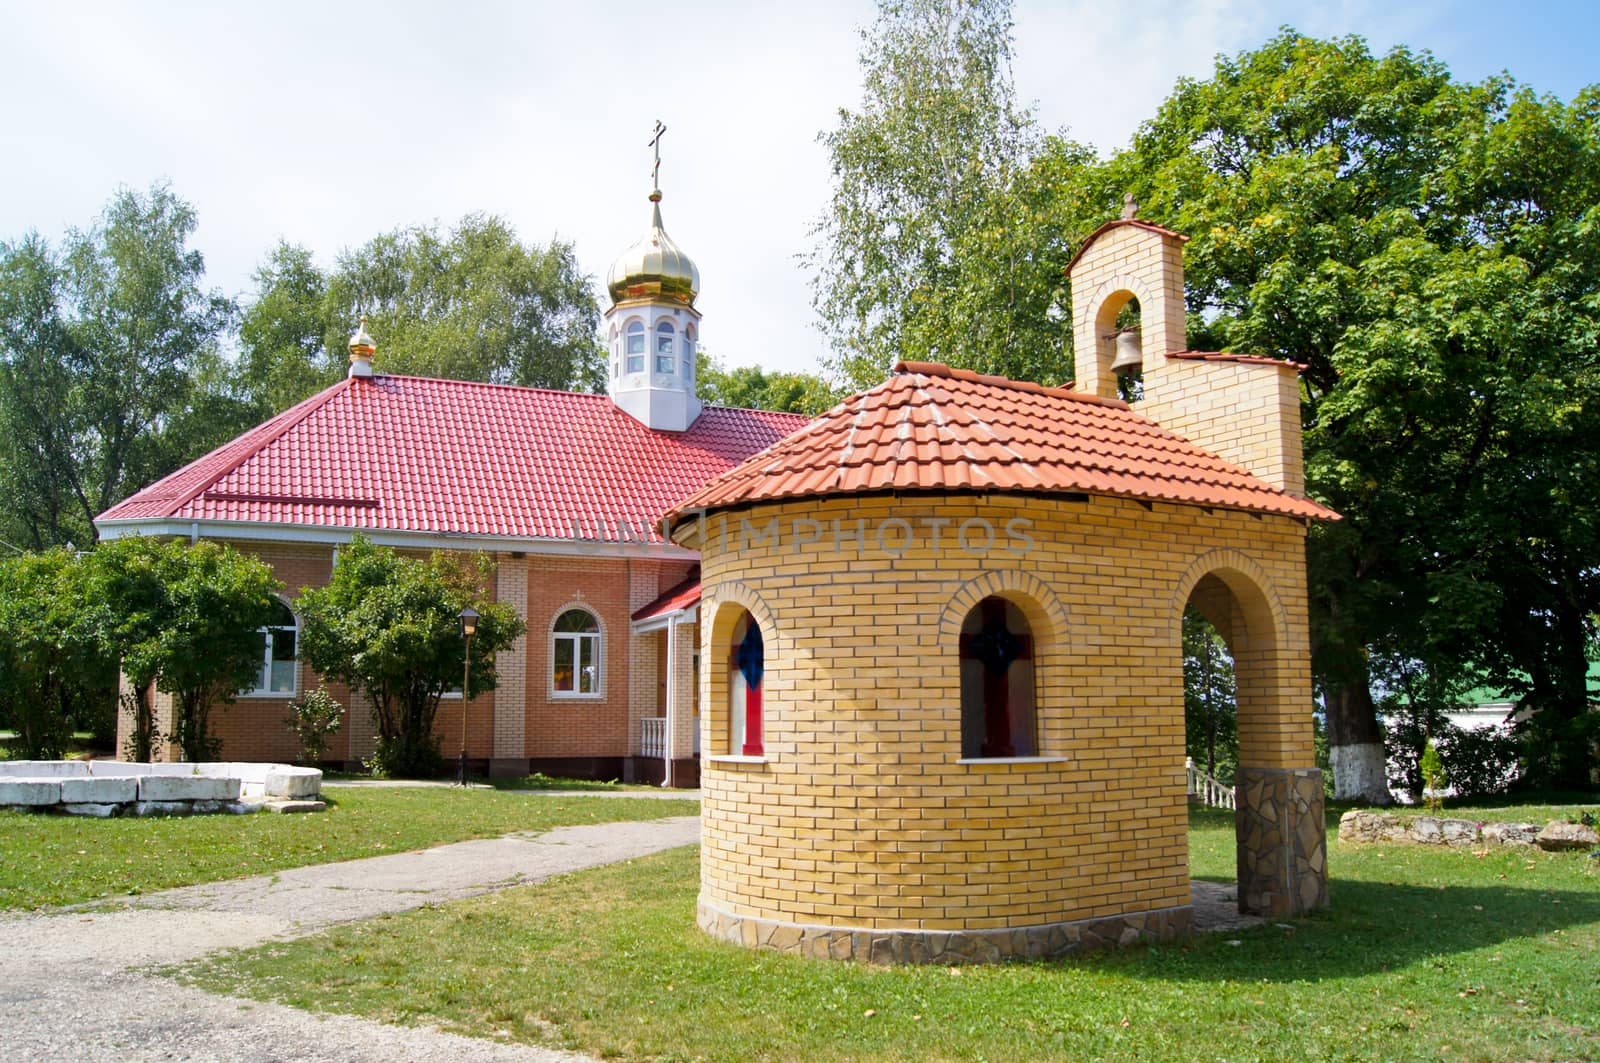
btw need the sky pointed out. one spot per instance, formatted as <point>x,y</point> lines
<point>327,123</point>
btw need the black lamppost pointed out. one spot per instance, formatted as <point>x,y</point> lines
<point>469,628</point>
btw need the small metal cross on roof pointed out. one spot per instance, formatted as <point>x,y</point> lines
<point>655,142</point>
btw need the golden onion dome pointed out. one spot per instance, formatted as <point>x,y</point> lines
<point>655,267</point>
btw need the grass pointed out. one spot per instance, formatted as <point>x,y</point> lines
<point>1424,955</point>
<point>53,860</point>
<point>541,781</point>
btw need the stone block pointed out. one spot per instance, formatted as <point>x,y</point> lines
<point>295,806</point>
<point>44,769</point>
<point>187,788</point>
<point>119,769</point>
<point>30,792</point>
<point>1459,832</point>
<point>1558,837</point>
<point>99,790</point>
<point>284,781</point>
<point>1510,833</point>
<point>98,811</point>
<point>240,808</point>
<point>162,808</point>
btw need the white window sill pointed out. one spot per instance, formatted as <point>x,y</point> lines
<point>282,695</point>
<point>1013,760</point>
<point>734,758</point>
<point>567,695</point>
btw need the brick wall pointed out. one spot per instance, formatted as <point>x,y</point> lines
<point>1248,413</point>
<point>862,813</point>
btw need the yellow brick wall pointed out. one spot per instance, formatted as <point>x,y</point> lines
<point>1248,413</point>
<point>861,813</point>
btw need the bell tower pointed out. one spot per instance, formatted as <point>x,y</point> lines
<point>1244,408</point>
<point>652,327</point>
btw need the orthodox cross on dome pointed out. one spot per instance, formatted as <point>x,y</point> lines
<point>655,142</point>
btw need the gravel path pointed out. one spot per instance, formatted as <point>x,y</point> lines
<point>71,985</point>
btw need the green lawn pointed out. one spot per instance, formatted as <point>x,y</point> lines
<point>1426,954</point>
<point>51,860</point>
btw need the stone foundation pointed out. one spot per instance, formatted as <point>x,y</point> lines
<point>1357,827</point>
<point>1282,838</point>
<point>946,946</point>
<point>106,788</point>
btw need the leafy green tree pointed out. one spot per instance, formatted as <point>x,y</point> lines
<point>387,626</point>
<point>210,647</point>
<point>105,345</point>
<point>50,660</point>
<point>127,579</point>
<point>1425,247</point>
<point>1210,698</point>
<point>473,304</point>
<point>939,242</point>
<point>752,388</point>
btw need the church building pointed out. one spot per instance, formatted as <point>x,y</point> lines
<point>563,491</point>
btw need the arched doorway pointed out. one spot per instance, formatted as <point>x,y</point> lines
<point>1279,830</point>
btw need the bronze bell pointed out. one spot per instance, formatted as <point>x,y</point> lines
<point>1130,352</point>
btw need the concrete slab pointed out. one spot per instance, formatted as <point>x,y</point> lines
<point>285,781</point>
<point>96,810</point>
<point>43,769</point>
<point>99,791</point>
<point>31,792</point>
<point>187,788</point>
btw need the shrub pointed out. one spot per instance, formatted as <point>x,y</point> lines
<point>1480,763</point>
<point>1432,777</point>
<point>315,717</point>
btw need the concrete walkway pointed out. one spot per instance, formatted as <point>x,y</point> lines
<point>71,987</point>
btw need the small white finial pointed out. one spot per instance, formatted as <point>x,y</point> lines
<point>1130,207</point>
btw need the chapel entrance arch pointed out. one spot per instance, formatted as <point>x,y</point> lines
<point>1279,828</point>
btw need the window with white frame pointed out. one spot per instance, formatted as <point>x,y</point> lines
<point>688,354</point>
<point>575,654</point>
<point>665,362</point>
<point>633,343</point>
<point>276,677</point>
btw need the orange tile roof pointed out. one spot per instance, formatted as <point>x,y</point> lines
<point>933,428</point>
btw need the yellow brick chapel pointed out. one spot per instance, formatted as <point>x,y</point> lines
<point>942,685</point>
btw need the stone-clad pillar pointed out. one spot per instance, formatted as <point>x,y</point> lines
<point>1282,841</point>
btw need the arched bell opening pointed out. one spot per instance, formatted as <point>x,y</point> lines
<point>1119,340</point>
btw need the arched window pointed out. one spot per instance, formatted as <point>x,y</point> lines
<point>688,354</point>
<point>277,675</point>
<point>997,713</point>
<point>575,653</point>
<point>634,346</point>
<point>665,362</point>
<point>616,354</point>
<point>746,667</point>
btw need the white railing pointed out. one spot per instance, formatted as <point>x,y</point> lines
<point>1206,790</point>
<point>653,736</point>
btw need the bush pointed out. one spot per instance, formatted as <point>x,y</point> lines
<point>315,717</point>
<point>1482,762</point>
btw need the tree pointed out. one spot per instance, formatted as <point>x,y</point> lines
<point>103,348</point>
<point>749,387</point>
<point>937,244</point>
<point>1210,698</point>
<point>387,626</point>
<point>476,304</point>
<point>1425,248</point>
<point>188,619</point>
<point>50,665</point>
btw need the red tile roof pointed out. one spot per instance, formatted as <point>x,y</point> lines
<point>682,596</point>
<point>932,428</point>
<point>397,453</point>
